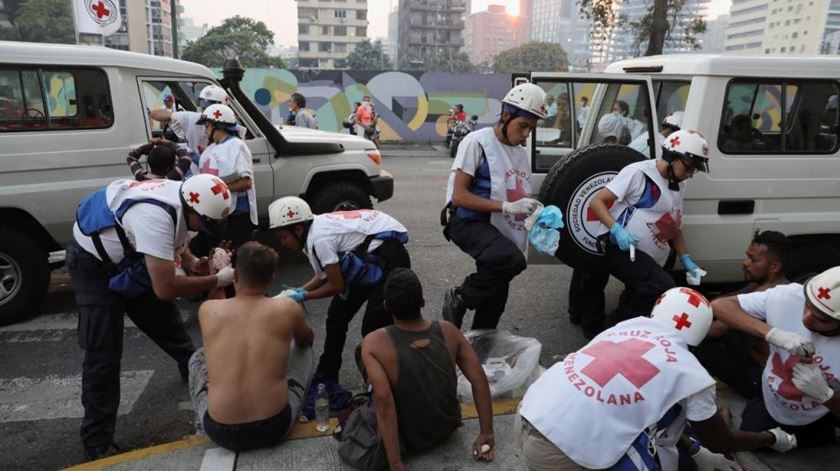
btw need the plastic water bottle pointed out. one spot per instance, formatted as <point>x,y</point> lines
<point>322,409</point>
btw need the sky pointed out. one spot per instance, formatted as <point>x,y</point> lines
<point>281,15</point>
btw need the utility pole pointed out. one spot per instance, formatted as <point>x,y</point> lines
<point>173,6</point>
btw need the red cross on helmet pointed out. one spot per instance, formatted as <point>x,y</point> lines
<point>689,146</point>
<point>207,195</point>
<point>221,116</point>
<point>823,292</point>
<point>287,211</point>
<point>685,311</point>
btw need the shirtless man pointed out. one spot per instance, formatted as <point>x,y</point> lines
<point>257,355</point>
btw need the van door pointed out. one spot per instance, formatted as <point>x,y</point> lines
<point>577,104</point>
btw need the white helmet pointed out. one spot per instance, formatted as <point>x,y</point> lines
<point>528,98</point>
<point>688,145</point>
<point>213,94</point>
<point>685,311</point>
<point>288,210</point>
<point>823,291</point>
<point>219,115</point>
<point>207,195</point>
<point>673,120</point>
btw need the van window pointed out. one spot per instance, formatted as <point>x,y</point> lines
<point>790,117</point>
<point>671,96</point>
<point>75,99</point>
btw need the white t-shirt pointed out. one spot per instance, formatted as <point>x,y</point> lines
<point>695,408</point>
<point>343,231</point>
<point>641,143</point>
<point>782,307</point>
<point>231,160</point>
<point>194,134</point>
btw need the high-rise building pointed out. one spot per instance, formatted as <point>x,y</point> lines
<point>489,33</point>
<point>557,21</point>
<point>714,39</point>
<point>429,28</point>
<point>189,32</point>
<point>146,27</point>
<point>393,42</point>
<point>775,27</point>
<point>328,30</point>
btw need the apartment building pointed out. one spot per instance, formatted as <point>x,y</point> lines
<point>489,33</point>
<point>783,27</point>
<point>429,28</point>
<point>558,21</point>
<point>146,27</point>
<point>328,30</point>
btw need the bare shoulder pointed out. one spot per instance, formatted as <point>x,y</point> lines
<point>286,306</point>
<point>452,334</point>
<point>374,341</point>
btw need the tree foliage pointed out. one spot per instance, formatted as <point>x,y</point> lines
<point>653,31</point>
<point>532,56</point>
<point>42,21</point>
<point>449,60</point>
<point>249,38</point>
<point>369,56</point>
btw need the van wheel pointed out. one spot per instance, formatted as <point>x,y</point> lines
<point>339,196</point>
<point>570,184</point>
<point>809,257</point>
<point>24,275</point>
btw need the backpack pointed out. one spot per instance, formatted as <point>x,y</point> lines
<point>360,445</point>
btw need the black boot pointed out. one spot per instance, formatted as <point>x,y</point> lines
<point>94,453</point>
<point>454,308</point>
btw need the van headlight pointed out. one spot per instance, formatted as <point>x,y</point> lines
<point>375,157</point>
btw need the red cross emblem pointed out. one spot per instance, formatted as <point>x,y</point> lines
<point>624,358</point>
<point>824,293</point>
<point>291,214</point>
<point>784,371</point>
<point>220,187</point>
<point>675,141</point>
<point>682,321</point>
<point>194,198</point>
<point>101,10</point>
<point>694,298</point>
<point>206,168</point>
<point>217,114</point>
<point>516,194</point>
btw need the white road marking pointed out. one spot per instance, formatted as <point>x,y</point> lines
<point>55,397</point>
<point>218,459</point>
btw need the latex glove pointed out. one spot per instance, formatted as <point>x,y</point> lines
<point>790,341</point>
<point>693,272</point>
<point>623,237</point>
<point>524,206</point>
<point>708,461</point>
<point>298,294</point>
<point>224,277</point>
<point>784,441</point>
<point>809,379</point>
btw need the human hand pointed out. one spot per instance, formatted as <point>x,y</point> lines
<point>484,447</point>
<point>523,206</point>
<point>224,277</point>
<point>790,341</point>
<point>708,461</point>
<point>688,263</point>
<point>809,379</point>
<point>784,441</point>
<point>623,237</point>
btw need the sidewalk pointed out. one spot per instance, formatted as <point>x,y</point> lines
<point>307,449</point>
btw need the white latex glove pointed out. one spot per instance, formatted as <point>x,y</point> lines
<point>708,461</point>
<point>532,219</point>
<point>790,341</point>
<point>524,206</point>
<point>219,258</point>
<point>224,277</point>
<point>784,441</point>
<point>809,379</point>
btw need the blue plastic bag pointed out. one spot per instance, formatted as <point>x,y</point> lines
<point>544,235</point>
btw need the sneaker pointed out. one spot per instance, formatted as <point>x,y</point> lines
<point>454,308</point>
<point>94,453</point>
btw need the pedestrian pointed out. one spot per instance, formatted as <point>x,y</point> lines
<point>351,253</point>
<point>229,158</point>
<point>641,208</point>
<point>297,106</point>
<point>364,117</point>
<point>583,112</point>
<point>670,125</point>
<point>411,369</point>
<point>735,358</point>
<point>249,380</point>
<point>184,123</point>
<point>459,113</point>
<point>168,102</point>
<point>799,386</point>
<point>122,261</point>
<point>624,401</point>
<point>487,200</point>
<point>550,111</point>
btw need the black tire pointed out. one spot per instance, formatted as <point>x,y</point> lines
<point>339,196</point>
<point>453,148</point>
<point>810,256</point>
<point>24,275</point>
<point>570,183</point>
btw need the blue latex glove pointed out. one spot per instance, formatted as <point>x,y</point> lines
<point>623,237</point>
<point>688,264</point>
<point>299,294</point>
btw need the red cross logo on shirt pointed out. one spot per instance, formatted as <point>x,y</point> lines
<point>516,194</point>
<point>194,198</point>
<point>624,358</point>
<point>675,141</point>
<point>682,321</point>
<point>824,293</point>
<point>206,168</point>
<point>784,371</point>
<point>217,114</point>
<point>220,187</point>
<point>100,10</point>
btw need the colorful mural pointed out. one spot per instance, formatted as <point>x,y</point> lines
<point>413,106</point>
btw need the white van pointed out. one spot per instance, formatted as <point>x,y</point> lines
<point>69,115</point>
<point>773,130</point>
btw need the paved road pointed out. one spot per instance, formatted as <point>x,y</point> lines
<point>40,408</point>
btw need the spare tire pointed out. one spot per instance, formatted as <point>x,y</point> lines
<point>570,185</point>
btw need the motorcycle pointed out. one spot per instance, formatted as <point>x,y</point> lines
<point>372,131</point>
<point>460,130</point>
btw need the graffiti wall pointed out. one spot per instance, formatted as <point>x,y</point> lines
<point>413,106</point>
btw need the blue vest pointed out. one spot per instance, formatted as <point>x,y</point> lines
<point>480,187</point>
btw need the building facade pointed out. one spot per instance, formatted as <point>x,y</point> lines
<point>558,21</point>
<point>489,33</point>
<point>783,27</point>
<point>429,28</point>
<point>146,28</point>
<point>328,30</point>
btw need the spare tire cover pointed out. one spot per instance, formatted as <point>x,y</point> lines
<point>570,184</point>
